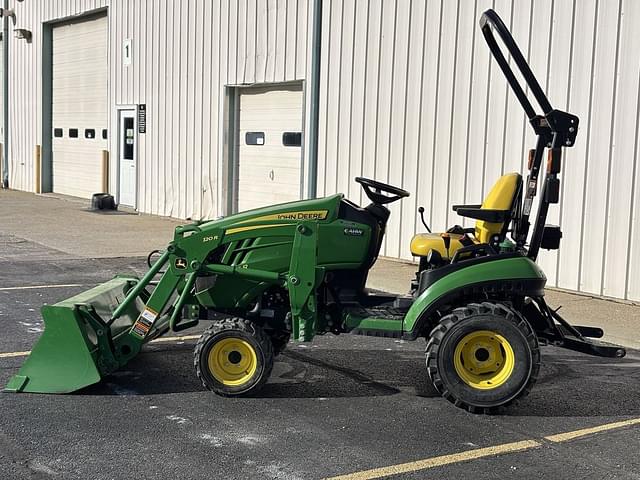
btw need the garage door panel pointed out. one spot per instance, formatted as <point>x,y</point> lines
<point>271,136</point>
<point>283,113</point>
<point>266,154</point>
<point>261,198</point>
<point>70,104</point>
<point>66,81</point>
<point>70,74</point>
<point>84,178</point>
<point>76,54</point>
<point>80,101</point>
<point>280,175</point>
<point>280,194</point>
<point>285,118</point>
<point>83,161</point>
<point>75,108</point>
<point>80,151</point>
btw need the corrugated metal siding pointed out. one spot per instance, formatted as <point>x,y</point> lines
<point>418,103</point>
<point>181,62</point>
<point>409,96</point>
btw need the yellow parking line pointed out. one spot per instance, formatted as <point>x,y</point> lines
<point>156,340</point>
<point>31,287</point>
<point>480,453</point>
<point>14,354</point>
<point>440,461</point>
<point>564,437</point>
<point>175,339</point>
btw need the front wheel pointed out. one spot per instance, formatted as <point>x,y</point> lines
<point>483,356</point>
<point>234,357</point>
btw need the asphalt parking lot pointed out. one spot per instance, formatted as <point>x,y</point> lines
<point>348,406</point>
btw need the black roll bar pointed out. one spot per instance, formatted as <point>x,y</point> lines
<point>555,129</point>
<point>490,18</point>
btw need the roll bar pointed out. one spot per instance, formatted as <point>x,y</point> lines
<point>490,18</point>
<point>561,123</point>
<point>555,129</point>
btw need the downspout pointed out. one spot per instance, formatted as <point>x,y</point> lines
<point>5,96</point>
<point>315,99</point>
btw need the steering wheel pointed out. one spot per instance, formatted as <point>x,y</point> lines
<point>374,190</point>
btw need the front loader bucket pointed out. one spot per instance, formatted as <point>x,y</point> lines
<point>76,348</point>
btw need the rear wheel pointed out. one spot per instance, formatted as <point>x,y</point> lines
<point>233,357</point>
<point>483,356</point>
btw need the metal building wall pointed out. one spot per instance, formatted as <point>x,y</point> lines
<point>410,96</point>
<point>184,53</point>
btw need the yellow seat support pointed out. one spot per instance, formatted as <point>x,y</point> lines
<point>423,242</point>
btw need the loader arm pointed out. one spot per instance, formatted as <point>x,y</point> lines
<point>105,327</point>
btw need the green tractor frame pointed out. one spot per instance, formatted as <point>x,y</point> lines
<point>292,271</point>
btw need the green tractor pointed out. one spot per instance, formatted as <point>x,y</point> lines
<point>292,271</point>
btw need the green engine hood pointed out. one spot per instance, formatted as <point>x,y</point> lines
<point>322,209</point>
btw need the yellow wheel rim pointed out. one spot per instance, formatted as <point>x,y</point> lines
<point>232,361</point>
<point>484,359</point>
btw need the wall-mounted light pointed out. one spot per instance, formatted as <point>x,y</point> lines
<point>4,12</point>
<point>23,34</point>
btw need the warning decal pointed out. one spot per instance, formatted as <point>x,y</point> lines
<point>149,314</point>
<point>144,322</point>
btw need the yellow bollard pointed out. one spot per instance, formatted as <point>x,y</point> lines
<point>105,171</point>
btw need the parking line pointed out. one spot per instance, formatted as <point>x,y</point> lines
<point>14,354</point>
<point>175,339</point>
<point>440,461</point>
<point>155,340</point>
<point>32,287</point>
<point>480,453</point>
<point>564,437</point>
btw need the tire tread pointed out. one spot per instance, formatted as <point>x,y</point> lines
<point>457,315</point>
<point>247,327</point>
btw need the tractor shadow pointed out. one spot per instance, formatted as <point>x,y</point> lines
<point>569,385</point>
<point>575,385</point>
<point>328,373</point>
<point>320,373</point>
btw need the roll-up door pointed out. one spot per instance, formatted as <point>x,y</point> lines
<point>80,105</point>
<point>269,145</point>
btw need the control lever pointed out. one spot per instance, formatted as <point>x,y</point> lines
<point>421,212</point>
<point>447,243</point>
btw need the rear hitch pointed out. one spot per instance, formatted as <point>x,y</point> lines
<point>578,338</point>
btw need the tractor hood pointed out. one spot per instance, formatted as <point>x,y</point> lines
<point>322,209</point>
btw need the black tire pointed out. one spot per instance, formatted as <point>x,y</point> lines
<point>279,341</point>
<point>252,338</point>
<point>473,319</point>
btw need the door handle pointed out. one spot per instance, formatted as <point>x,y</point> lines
<point>271,175</point>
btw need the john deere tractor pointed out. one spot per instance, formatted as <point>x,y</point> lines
<point>289,272</point>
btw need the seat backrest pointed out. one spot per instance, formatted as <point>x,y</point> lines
<point>501,197</point>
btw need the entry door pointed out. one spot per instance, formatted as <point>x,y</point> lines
<point>269,145</point>
<point>127,158</point>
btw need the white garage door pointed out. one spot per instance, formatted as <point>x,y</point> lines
<point>269,146</point>
<point>80,106</point>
